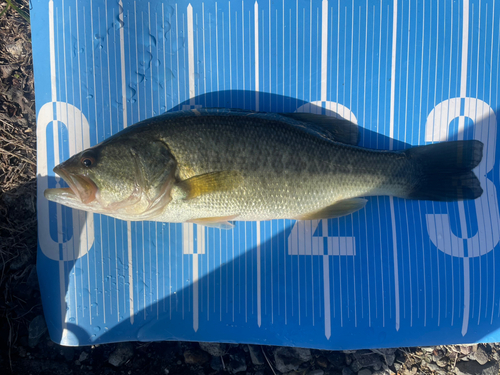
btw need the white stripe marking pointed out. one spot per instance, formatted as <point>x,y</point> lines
<point>52,52</point>
<point>195,291</point>
<point>393,71</point>
<point>256,41</point>
<point>122,60</point>
<point>465,323</point>
<point>259,289</point>
<point>391,134</point>
<point>465,50</point>
<point>326,284</point>
<point>324,50</point>
<point>190,52</point>
<point>130,272</point>
<point>461,127</point>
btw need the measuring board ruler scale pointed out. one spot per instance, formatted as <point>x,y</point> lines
<point>398,273</point>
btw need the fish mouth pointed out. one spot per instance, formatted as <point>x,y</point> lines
<point>80,187</point>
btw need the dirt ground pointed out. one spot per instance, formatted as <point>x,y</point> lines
<point>25,347</point>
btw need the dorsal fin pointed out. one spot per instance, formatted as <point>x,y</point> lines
<point>336,129</point>
<point>333,128</point>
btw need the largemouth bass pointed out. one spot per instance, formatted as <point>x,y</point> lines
<point>211,166</point>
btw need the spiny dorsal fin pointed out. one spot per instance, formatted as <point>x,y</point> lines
<point>341,208</point>
<point>210,182</point>
<point>336,129</point>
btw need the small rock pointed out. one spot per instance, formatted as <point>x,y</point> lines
<point>68,353</point>
<point>213,348</point>
<point>388,354</point>
<point>36,330</point>
<point>427,349</point>
<point>364,371</point>
<point>377,365</point>
<point>6,70</point>
<point>15,49</point>
<point>480,356</point>
<point>337,359</point>
<point>83,356</point>
<point>347,371</point>
<point>443,362</point>
<point>348,360</point>
<point>237,363</point>
<point>367,360</point>
<point>414,370</point>
<point>123,352</point>
<point>289,359</point>
<point>303,354</point>
<point>474,368</point>
<point>316,372</point>
<point>20,261</point>
<point>397,366</point>
<point>356,366</point>
<point>256,355</point>
<point>22,352</point>
<point>322,362</point>
<point>467,349</point>
<point>389,359</point>
<point>435,368</point>
<point>196,357</point>
<point>437,355</point>
<point>216,364</point>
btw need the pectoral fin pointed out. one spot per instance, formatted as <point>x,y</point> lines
<point>210,182</point>
<point>215,222</point>
<point>338,209</point>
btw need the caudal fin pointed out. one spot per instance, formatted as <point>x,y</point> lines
<point>445,171</point>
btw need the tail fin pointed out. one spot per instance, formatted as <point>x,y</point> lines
<point>446,171</point>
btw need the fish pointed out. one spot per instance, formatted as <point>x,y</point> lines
<point>216,166</point>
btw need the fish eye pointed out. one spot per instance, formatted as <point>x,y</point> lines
<point>87,161</point>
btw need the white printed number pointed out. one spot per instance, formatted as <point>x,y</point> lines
<point>488,224</point>
<point>77,125</point>
<point>301,240</point>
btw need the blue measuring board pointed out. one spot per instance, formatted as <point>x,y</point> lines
<point>397,273</point>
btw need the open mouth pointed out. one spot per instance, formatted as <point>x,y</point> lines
<point>80,187</point>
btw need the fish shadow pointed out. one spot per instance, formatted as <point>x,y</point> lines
<point>407,313</point>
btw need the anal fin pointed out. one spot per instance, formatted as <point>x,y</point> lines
<point>338,209</point>
<point>221,222</point>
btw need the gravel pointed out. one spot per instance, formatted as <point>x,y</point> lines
<point>213,348</point>
<point>122,353</point>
